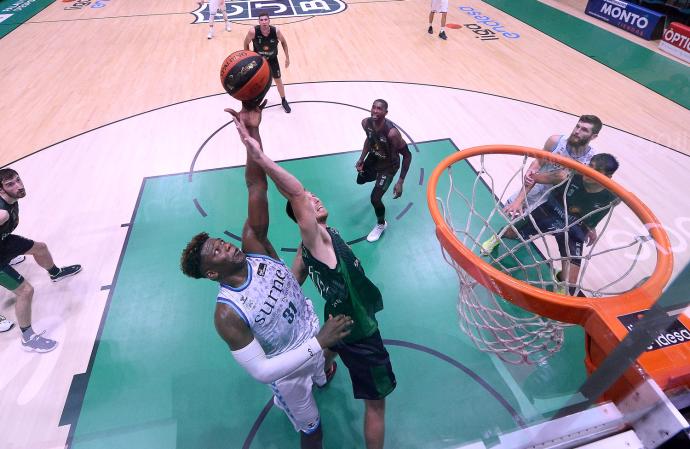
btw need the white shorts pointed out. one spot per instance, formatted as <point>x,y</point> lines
<point>439,5</point>
<point>292,394</point>
<point>215,5</point>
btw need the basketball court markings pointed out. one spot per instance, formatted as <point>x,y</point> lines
<point>148,250</point>
<point>164,141</point>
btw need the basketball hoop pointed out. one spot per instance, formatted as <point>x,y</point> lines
<point>533,332</point>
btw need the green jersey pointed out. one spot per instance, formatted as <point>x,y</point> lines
<point>346,288</point>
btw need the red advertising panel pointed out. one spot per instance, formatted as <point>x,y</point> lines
<point>676,40</point>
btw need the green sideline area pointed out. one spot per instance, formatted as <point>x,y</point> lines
<point>162,378</point>
<point>15,12</point>
<point>657,72</point>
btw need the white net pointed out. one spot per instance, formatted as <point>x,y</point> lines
<point>603,251</point>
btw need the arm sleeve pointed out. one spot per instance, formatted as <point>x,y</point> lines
<point>253,359</point>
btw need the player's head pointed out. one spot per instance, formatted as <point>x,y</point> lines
<point>604,163</point>
<point>212,258</point>
<point>264,19</point>
<point>11,184</point>
<point>379,109</point>
<point>586,129</point>
<point>319,209</point>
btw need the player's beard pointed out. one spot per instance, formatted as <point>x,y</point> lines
<point>20,194</point>
<point>577,142</point>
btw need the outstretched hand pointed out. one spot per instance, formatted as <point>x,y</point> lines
<point>241,123</point>
<point>513,210</point>
<point>334,330</point>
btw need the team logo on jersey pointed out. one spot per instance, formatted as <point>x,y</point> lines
<point>246,10</point>
<point>262,269</point>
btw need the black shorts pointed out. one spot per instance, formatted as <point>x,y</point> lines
<point>275,67</point>
<point>547,220</point>
<point>369,365</point>
<point>12,246</point>
<point>370,173</point>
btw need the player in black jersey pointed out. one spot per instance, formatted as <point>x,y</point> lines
<point>11,246</point>
<point>380,160</point>
<point>574,208</point>
<point>264,39</point>
<point>341,281</point>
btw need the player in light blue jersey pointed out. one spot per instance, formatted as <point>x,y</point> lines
<point>543,175</point>
<point>261,312</point>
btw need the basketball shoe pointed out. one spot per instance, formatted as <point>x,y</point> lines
<point>228,27</point>
<point>5,324</point>
<point>442,35</point>
<point>36,343</point>
<point>375,233</point>
<point>66,272</point>
<point>210,34</point>
<point>430,30</point>
<point>286,105</point>
<point>489,245</point>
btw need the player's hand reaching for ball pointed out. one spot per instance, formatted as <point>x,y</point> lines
<point>334,330</point>
<point>241,119</point>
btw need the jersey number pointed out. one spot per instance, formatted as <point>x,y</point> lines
<point>289,313</point>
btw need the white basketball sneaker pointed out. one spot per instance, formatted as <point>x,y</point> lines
<point>210,34</point>
<point>228,27</point>
<point>375,233</point>
<point>5,324</point>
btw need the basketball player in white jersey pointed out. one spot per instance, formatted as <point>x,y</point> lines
<point>213,7</point>
<point>440,6</point>
<point>542,175</point>
<point>261,312</point>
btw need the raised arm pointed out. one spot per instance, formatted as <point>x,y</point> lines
<point>397,142</point>
<point>255,230</point>
<point>251,356</point>
<point>248,38</point>
<point>283,42</point>
<point>289,187</point>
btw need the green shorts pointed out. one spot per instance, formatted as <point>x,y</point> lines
<point>9,278</point>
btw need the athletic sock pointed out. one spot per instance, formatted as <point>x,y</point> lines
<point>27,330</point>
<point>53,271</point>
<point>380,214</point>
<point>442,29</point>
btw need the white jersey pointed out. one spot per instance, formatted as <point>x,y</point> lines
<point>538,195</point>
<point>272,304</point>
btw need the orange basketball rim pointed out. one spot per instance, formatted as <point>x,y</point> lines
<point>669,366</point>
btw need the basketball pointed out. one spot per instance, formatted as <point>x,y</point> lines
<point>245,75</point>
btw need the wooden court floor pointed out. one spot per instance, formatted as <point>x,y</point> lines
<point>98,99</point>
